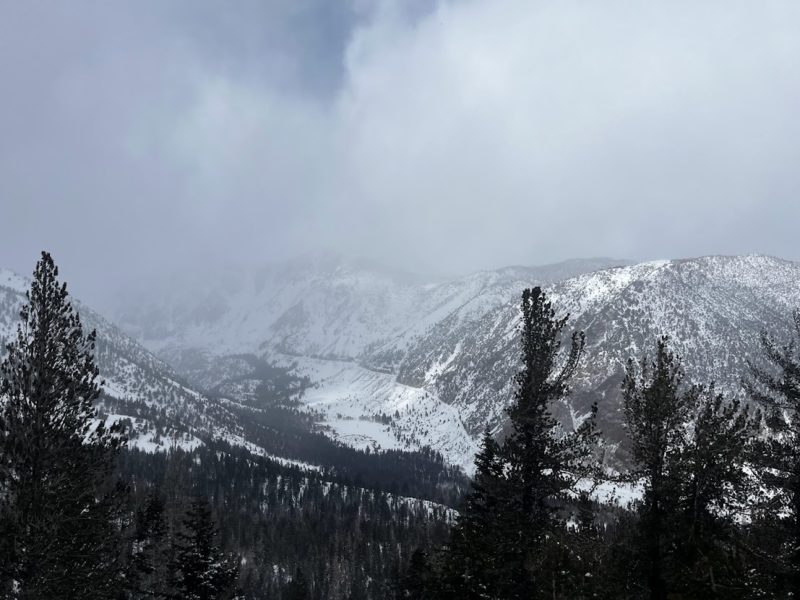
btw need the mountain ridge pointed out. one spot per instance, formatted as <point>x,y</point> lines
<point>455,342</point>
<point>385,364</point>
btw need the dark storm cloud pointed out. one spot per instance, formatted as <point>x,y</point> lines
<point>141,138</point>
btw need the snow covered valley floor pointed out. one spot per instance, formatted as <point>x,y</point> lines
<point>364,408</point>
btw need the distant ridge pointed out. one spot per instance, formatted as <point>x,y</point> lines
<point>441,356</point>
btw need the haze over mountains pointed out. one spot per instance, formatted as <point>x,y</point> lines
<point>397,362</point>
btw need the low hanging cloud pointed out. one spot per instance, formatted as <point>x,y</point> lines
<point>443,137</point>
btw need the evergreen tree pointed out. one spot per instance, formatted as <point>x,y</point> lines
<point>714,489</point>
<point>688,447</point>
<point>150,554</point>
<point>656,412</point>
<point>776,387</point>
<point>58,502</point>
<point>202,571</point>
<point>587,549</point>
<point>416,584</point>
<point>544,462</point>
<point>509,539</point>
<point>473,568</point>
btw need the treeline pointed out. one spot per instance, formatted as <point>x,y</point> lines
<point>342,541</point>
<point>717,482</point>
<point>285,432</point>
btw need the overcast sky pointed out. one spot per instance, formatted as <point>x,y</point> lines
<point>144,137</point>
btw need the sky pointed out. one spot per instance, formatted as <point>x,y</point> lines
<point>147,138</point>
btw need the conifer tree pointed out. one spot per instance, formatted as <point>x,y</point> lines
<point>714,489</point>
<point>776,387</point>
<point>544,462</point>
<point>58,502</point>
<point>150,577</point>
<point>473,569</point>
<point>688,446</point>
<point>508,539</point>
<point>203,572</point>
<point>656,412</point>
<point>416,583</point>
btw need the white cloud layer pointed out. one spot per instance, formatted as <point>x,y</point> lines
<point>458,136</point>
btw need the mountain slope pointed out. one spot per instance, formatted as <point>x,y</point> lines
<point>162,410</point>
<point>395,362</point>
<point>713,309</point>
<point>249,406</point>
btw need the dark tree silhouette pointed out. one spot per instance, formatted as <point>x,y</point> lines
<point>688,447</point>
<point>507,540</point>
<point>58,503</point>
<point>776,387</point>
<point>203,572</point>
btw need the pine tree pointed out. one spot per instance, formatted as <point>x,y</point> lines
<point>714,489</point>
<point>150,550</point>
<point>544,462</point>
<point>587,549</point>
<point>656,412</point>
<point>472,569</point>
<point>203,572</point>
<point>688,446</point>
<point>776,387</point>
<point>508,542</point>
<point>59,502</point>
<point>416,583</point>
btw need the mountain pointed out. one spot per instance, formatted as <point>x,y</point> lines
<point>712,308</point>
<point>345,326</point>
<point>160,408</point>
<point>378,359</point>
<point>396,362</point>
<point>246,406</point>
<point>324,307</point>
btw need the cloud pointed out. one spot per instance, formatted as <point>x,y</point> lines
<point>446,137</point>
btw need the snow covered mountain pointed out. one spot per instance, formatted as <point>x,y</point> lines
<point>161,409</point>
<point>713,309</point>
<point>397,362</point>
<point>349,327</point>
<point>387,360</point>
<point>325,307</point>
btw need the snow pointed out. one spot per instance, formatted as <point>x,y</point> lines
<point>443,354</point>
<point>621,494</point>
<point>149,441</point>
<point>353,398</point>
<point>14,282</point>
<point>236,440</point>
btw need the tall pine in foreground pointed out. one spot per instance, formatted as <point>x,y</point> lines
<point>656,411</point>
<point>473,567</point>
<point>510,541</point>
<point>58,534</point>
<point>776,387</point>
<point>714,495</point>
<point>688,448</point>
<point>544,462</point>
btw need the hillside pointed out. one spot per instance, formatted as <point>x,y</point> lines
<point>395,362</point>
